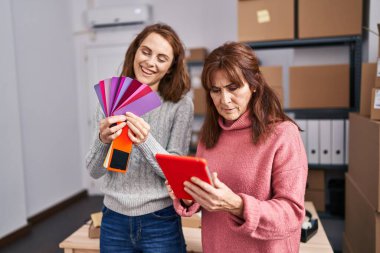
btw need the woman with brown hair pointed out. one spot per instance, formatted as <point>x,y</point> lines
<point>256,157</point>
<point>138,214</point>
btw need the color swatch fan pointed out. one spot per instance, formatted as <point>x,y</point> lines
<point>118,95</point>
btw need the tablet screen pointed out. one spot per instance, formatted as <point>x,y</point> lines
<point>178,169</point>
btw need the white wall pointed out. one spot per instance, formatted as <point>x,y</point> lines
<point>12,190</point>
<point>47,88</point>
<point>219,23</point>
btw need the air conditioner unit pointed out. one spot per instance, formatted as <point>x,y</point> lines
<point>105,17</point>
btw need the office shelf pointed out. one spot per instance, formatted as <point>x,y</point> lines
<point>355,51</point>
<point>329,167</point>
<point>330,41</point>
<point>354,44</point>
<point>194,64</point>
<point>328,113</point>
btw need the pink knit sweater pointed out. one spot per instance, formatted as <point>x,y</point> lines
<point>271,179</point>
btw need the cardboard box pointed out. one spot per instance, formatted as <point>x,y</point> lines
<point>375,104</point>
<point>191,222</point>
<point>326,18</point>
<point>196,54</point>
<point>96,219</point>
<point>265,20</point>
<point>364,159</point>
<point>93,232</point>
<point>280,94</point>
<point>346,245</point>
<point>316,180</point>
<point>367,83</point>
<point>375,98</point>
<point>273,76</point>
<point>362,222</point>
<point>377,84</point>
<point>318,199</point>
<point>199,99</point>
<point>319,86</point>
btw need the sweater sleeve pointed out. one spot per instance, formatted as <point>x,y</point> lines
<point>283,214</point>
<point>98,150</point>
<point>183,211</point>
<point>179,139</point>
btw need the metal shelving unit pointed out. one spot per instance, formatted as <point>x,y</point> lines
<point>354,44</point>
<point>319,113</point>
<point>194,64</point>
<point>328,167</point>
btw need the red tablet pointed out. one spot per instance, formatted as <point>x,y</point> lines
<point>178,169</point>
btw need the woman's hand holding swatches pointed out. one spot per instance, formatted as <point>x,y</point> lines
<point>109,130</point>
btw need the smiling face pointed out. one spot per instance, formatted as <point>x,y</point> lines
<point>230,99</point>
<point>153,60</point>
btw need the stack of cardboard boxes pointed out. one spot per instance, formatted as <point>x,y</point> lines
<point>315,189</point>
<point>273,76</point>
<point>362,225</point>
<point>325,86</point>
<point>199,99</point>
<point>310,87</point>
<point>366,86</point>
<point>197,56</point>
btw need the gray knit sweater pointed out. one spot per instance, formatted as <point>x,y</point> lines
<point>141,189</point>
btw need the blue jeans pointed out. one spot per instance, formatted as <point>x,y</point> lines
<point>157,232</point>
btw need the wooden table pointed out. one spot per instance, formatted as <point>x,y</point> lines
<point>79,242</point>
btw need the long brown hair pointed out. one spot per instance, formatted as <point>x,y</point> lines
<point>176,81</point>
<point>240,65</point>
